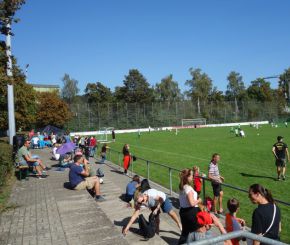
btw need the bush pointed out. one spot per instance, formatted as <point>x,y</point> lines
<point>6,162</point>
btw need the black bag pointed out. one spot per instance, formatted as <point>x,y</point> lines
<point>100,172</point>
<point>147,229</point>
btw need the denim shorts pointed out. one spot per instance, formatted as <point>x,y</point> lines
<point>166,206</point>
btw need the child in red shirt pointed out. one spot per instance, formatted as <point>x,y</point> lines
<point>197,182</point>
<point>232,222</point>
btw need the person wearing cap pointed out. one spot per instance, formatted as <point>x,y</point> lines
<point>280,150</point>
<point>24,157</point>
<point>79,178</point>
<point>205,221</point>
<point>154,200</point>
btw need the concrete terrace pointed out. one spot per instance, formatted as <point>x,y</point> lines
<point>46,212</point>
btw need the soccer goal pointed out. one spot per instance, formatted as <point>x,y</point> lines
<point>102,135</point>
<point>193,122</point>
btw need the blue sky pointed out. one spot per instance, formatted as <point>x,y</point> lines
<point>94,40</point>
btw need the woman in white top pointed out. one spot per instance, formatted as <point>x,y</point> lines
<point>188,201</point>
<point>155,200</point>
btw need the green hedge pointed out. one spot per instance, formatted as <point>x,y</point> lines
<point>6,162</point>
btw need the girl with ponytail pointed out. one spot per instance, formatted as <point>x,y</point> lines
<point>266,218</point>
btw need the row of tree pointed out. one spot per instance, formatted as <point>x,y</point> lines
<point>31,108</point>
<point>136,89</point>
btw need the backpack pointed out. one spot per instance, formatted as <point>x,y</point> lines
<point>147,229</point>
<point>100,172</point>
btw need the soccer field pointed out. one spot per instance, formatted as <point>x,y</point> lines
<point>244,161</point>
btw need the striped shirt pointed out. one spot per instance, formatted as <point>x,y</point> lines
<point>213,170</point>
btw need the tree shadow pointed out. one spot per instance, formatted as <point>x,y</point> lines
<point>257,176</point>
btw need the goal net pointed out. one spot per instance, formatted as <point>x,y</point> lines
<point>193,122</point>
<point>104,134</point>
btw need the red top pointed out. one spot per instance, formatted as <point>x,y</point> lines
<point>197,182</point>
<point>93,142</point>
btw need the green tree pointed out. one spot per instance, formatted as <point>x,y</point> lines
<point>167,90</point>
<point>135,89</point>
<point>52,110</point>
<point>200,87</point>
<point>24,95</point>
<point>70,88</point>
<point>98,93</point>
<point>216,95</point>
<point>260,90</point>
<point>284,83</point>
<point>235,89</point>
<point>8,9</point>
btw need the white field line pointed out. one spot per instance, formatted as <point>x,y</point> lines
<point>259,170</point>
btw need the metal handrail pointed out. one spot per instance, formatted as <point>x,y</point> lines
<point>236,234</point>
<point>170,169</point>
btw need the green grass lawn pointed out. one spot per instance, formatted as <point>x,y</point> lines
<point>244,161</point>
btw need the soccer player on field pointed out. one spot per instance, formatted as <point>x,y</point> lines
<point>280,149</point>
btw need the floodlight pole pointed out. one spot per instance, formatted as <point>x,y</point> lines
<point>10,91</point>
<point>287,97</point>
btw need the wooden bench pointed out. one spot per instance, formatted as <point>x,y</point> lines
<point>22,169</point>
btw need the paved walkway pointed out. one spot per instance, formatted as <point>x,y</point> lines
<point>49,213</point>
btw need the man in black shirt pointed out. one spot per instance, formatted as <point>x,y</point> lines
<point>280,149</point>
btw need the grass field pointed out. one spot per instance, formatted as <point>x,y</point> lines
<point>244,161</point>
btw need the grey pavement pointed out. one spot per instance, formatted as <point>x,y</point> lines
<point>47,212</point>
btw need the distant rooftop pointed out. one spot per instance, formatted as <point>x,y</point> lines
<point>44,85</point>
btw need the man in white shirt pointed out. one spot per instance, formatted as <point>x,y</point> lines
<point>216,180</point>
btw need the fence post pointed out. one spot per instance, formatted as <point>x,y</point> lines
<point>119,162</point>
<point>132,169</point>
<point>170,181</point>
<point>148,169</point>
<point>203,191</point>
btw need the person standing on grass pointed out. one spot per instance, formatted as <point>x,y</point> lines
<point>216,180</point>
<point>280,150</point>
<point>126,158</point>
<point>266,218</point>
<point>113,135</point>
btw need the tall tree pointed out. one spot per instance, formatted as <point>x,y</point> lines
<point>24,95</point>
<point>235,89</point>
<point>284,83</point>
<point>200,86</point>
<point>167,90</point>
<point>70,88</point>
<point>52,110</point>
<point>8,9</point>
<point>216,95</point>
<point>260,90</point>
<point>98,93</point>
<point>135,89</point>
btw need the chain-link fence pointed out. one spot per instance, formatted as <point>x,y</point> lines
<point>134,115</point>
